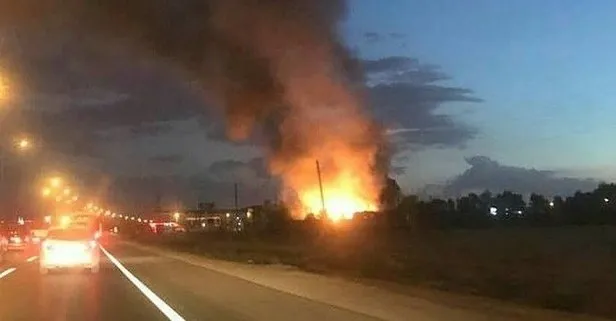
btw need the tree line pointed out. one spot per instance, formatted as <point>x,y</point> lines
<point>507,208</point>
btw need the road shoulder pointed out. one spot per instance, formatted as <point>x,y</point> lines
<point>382,301</point>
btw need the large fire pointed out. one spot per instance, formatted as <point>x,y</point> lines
<point>347,178</point>
<point>342,202</point>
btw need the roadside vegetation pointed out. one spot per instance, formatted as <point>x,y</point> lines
<point>566,268</point>
<point>557,253</point>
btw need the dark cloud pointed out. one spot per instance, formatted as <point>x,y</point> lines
<point>167,159</point>
<point>372,37</point>
<point>404,95</point>
<point>97,57</point>
<point>397,170</point>
<point>486,173</point>
<point>397,35</point>
<point>71,94</point>
<point>142,194</point>
<point>251,171</point>
<point>254,73</point>
<point>152,129</point>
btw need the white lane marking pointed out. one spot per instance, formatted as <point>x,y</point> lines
<point>155,299</point>
<point>7,272</point>
<point>30,259</point>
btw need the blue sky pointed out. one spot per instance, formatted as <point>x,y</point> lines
<point>544,68</point>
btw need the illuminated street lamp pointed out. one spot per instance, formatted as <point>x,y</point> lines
<point>46,192</point>
<point>4,88</point>
<point>23,144</point>
<point>55,182</point>
<point>176,216</point>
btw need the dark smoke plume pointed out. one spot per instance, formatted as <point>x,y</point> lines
<point>277,68</point>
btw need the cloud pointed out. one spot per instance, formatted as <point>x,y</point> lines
<point>404,95</point>
<point>397,170</point>
<point>486,173</point>
<point>372,37</point>
<point>81,91</point>
<point>251,172</point>
<point>96,89</point>
<point>77,93</point>
<point>95,97</point>
<point>397,35</point>
<point>142,194</point>
<point>151,129</point>
<point>167,159</point>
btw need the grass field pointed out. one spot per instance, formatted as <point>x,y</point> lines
<point>567,268</point>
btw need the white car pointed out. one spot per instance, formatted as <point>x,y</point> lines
<point>69,248</point>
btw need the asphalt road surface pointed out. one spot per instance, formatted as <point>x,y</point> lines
<point>176,290</point>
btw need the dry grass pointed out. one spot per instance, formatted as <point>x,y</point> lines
<point>571,269</point>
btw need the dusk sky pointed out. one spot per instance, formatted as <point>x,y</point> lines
<point>476,94</point>
<point>543,68</point>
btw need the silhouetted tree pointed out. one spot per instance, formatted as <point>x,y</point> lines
<point>510,206</point>
<point>407,210</point>
<point>391,195</point>
<point>474,211</point>
<point>538,211</point>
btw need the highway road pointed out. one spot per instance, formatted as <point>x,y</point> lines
<point>181,290</point>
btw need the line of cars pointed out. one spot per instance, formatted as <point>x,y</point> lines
<point>13,238</point>
<point>71,246</point>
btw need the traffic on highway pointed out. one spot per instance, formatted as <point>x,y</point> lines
<point>74,275</point>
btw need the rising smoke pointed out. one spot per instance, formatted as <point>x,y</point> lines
<point>276,68</point>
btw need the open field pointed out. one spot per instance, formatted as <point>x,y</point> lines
<point>567,268</point>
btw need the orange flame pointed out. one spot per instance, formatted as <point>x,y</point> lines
<point>341,202</point>
<point>349,184</point>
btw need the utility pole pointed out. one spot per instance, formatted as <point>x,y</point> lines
<point>235,197</point>
<point>324,212</point>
